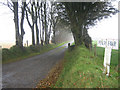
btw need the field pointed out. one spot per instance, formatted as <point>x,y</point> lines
<point>84,70</point>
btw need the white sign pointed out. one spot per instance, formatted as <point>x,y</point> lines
<point>112,43</point>
<point>109,44</point>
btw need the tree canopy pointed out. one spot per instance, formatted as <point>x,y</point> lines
<point>82,15</point>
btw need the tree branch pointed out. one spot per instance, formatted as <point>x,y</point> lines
<point>8,5</point>
<point>28,20</point>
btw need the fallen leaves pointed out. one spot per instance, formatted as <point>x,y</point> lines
<point>83,77</point>
<point>74,84</point>
<point>52,77</point>
<point>80,75</point>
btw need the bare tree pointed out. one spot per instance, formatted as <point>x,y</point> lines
<point>36,22</point>
<point>31,12</point>
<point>14,7</point>
<point>22,21</point>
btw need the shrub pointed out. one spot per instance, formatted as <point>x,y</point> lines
<point>5,53</point>
<point>13,52</point>
<point>35,48</point>
<point>16,50</point>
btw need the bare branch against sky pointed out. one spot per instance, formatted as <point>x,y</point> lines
<point>70,0</point>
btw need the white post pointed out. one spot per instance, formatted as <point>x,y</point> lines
<point>109,44</point>
<point>107,57</point>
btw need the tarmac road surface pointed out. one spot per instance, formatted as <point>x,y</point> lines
<point>28,72</point>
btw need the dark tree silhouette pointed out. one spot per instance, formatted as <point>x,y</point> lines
<point>81,15</point>
<point>31,12</point>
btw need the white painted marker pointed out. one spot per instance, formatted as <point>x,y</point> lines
<point>109,44</point>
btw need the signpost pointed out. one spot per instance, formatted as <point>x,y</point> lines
<point>109,44</point>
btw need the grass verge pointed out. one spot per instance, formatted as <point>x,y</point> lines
<point>83,70</point>
<point>15,53</point>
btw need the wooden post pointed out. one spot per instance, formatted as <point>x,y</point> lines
<point>90,49</point>
<point>95,50</point>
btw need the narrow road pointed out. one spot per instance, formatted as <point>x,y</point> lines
<point>28,72</point>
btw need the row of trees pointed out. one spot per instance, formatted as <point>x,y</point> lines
<point>41,18</point>
<point>44,16</point>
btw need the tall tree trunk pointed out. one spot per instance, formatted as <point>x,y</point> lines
<point>77,35</point>
<point>31,25</point>
<point>33,21</point>
<point>39,16</point>
<point>54,35</point>
<point>49,32</point>
<point>76,24</point>
<point>33,36</point>
<point>15,6</point>
<point>42,19</point>
<point>21,24</point>
<point>46,35</point>
<point>32,29</point>
<point>37,31</point>
<point>37,34</point>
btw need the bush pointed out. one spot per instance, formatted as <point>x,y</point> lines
<point>13,52</point>
<point>16,50</point>
<point>5,53</point>
<point>35,48</point>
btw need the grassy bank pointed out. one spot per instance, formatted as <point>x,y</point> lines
<point>15,53</point>
<point>83,70</point>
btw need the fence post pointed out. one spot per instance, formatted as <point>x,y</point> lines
<point>95,54</point>
<point>90,49</point>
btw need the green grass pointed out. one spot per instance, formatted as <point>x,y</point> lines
<point>83,70</point>
<point>15,53</point>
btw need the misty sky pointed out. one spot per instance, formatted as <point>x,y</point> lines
<point>107,28</point>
